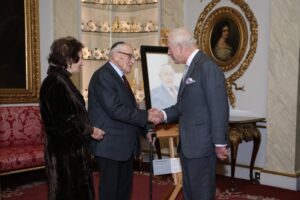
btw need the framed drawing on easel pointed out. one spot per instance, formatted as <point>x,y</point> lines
<point>161,77</point>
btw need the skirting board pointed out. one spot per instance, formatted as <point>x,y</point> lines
<point>270,179</point>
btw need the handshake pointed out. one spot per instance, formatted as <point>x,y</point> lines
<point>155,116</point>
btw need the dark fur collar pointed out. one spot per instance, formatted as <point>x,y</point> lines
<point>58,69</point>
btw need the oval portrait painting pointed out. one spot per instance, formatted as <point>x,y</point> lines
<point>225,40</point>
<point>224,37</point>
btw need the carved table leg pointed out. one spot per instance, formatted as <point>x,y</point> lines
<point>234,137</point>
<point>234,150</point>
<point>234,142</point>
<point>256,144</point>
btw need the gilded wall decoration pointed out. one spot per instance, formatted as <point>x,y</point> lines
<point>20,56</point>
<point>223,34</point>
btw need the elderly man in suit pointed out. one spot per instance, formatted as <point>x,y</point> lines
<point>202,111</point>
<point>112,107</point>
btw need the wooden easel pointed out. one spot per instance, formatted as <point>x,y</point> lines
<point>171,131</point>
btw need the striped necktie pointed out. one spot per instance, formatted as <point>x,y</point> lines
<point>186,67</point>
<point>126,83</point>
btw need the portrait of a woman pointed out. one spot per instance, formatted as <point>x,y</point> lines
<point>223,43</point>
<point>222,49</point>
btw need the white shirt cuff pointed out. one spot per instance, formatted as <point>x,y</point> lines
<point>220,145</point>
<point>165,116</point>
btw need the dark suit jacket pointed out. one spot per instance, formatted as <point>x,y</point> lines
<point>202,108</point>
<point>112,107</point>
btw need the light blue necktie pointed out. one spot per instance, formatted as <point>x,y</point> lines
<point>186,67</point>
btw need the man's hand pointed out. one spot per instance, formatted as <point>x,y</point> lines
<point>155,116</point>
<point>98,134</point>
<point>222,152</point>
<point>151,136</point>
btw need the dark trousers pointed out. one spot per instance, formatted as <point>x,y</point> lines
<point>115,179</point>
<point>199,177</point>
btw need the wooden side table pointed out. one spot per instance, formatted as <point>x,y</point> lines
<point>244,129</point>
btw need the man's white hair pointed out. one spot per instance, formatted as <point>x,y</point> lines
<point>182,36</point>
<point>116,47</point>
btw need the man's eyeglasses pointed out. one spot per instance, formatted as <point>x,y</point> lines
<point>128,54</point>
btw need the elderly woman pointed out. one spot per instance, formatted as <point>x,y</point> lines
<point>67,126</point>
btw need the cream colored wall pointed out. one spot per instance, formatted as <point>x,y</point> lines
<point>66,20</point>
<point>172,14</point>
<point>274,72</point>
<point>283,76</point>
<point>46,33</point>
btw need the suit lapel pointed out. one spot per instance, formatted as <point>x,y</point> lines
<point>181,86</point>
<point>114,74</point>
<point>191,68</point>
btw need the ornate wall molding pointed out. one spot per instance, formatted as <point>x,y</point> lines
<point>28,92</point>
<point>243,53</point>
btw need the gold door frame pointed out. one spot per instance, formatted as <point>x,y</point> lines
<point>28,93</point>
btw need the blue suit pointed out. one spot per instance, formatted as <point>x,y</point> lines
<point>202,112</point>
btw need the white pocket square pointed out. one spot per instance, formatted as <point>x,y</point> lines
<point>189,81</point>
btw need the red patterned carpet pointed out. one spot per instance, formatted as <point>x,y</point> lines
<point>16,188</point>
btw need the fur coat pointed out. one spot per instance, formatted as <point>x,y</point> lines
<point>68,132</point>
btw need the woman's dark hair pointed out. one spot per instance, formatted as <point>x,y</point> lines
<point>64,50</point>
<point>221,27</point>
<point>218,31</point>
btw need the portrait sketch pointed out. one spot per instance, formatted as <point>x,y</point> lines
<point>161,77</point>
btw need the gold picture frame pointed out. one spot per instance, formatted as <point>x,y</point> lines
<point>20,72</point>
<point>245,34</point>
<point>225,38</point>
